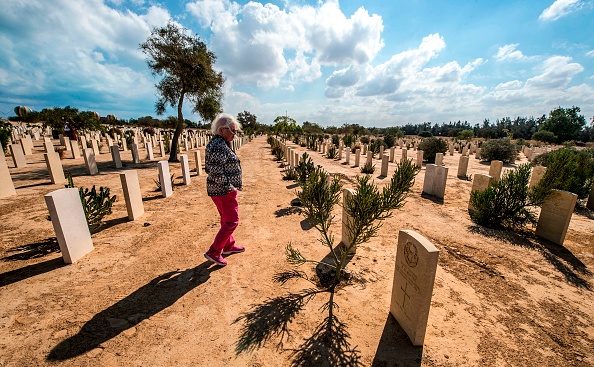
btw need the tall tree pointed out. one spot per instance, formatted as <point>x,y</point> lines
<point>186,65</point>
<point>248,121</point>
<point>565,123</point>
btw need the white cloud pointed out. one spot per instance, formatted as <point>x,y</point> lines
<point>509,52</point>
<point>557,72</point>
<point>262,44</point>
<point>560,8</point>
<point>590,53</point>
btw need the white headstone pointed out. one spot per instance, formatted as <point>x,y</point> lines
<point>54,167</point>
<point>537,174</point>
<point>132,194</point>
<point>165,178</point>
<point>6,184</point>
<point>384,171</point>
<point>18,156</point>
<point>198,162</point>
<point>495,169</point>
<point>463,167</point>
<point>135,156</point>
<point>185,167</point>
<point>555,215</point>
<point>115,156</point>
<point>90,162</point>
<point>435,180</point>
<point>414,276</point>
<point>70,224</point>
<point>357,157</point>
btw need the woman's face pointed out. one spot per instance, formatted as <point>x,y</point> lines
<point>228,133</point>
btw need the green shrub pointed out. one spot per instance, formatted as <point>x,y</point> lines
<point>332,152</point>
<point>431,146</point>
<point>376,145</point>
<point>425,134</point>
<point>499,149</point>
<point>390,141</point>
<point>466,134</point>
<point>544,136</point>
<point>368,168</point>
<point>5,131</point>
<point>364,139</point>
<point>96,205</point>
<point>335,140</point>
<point>303,169</point>
<point>348,140</point>
<point>568,169</point>
<point>289,174</point>
<point>506,203</point>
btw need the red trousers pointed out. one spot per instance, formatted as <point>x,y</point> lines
<point>229,210</point>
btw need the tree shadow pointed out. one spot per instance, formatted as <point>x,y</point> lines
<point>557,255</point>
<point>150,299</point>
<point>287,211</point>
<point>395,347</point>
<point>34,250</point>
<point>328,345</point>
<point>29,271</point>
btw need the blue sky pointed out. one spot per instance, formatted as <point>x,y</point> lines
<point>375,63</point>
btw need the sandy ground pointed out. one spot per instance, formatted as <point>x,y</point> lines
<point>145,296</point>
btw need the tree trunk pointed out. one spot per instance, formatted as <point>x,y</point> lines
<point>178,130</point>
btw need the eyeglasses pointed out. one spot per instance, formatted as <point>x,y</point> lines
<point>230,129</point>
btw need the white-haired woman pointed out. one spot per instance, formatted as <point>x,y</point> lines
<point>224,179</point>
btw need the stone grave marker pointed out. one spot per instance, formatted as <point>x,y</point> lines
<point>404,155</point>
<point>555,215</point>
<point>495,169</point>
<point>70,224</point>
<point>419,161</point>
<point>48,146</point>
<point>537,173</point>
<point>480,182</point>
<point>67,143</point>
<point>384,171</point>
<point>369,158</point>
<point>185,167</point>
<point>115,156</point>
<point>135,156</point>
<point>74,149</point>
<point>463,167</point>
<point>161,149</point>
<point>357,157</point>
<point>90,162</point>
<point>590,203</point>
<point>25,147</point>
<point>347,156</point>
<point>95,146</point>
<point>345,238</point>
<point>435,180</point>
<point>132,194</point>
<point>439,159</point>
<point>149,151</point>
<point>54,167</point>
<point>392,151</point>
<point>6,184</point>
<point>478,153</point>
<point>414,276</point>
<point>198,161</point>
<point>18,156</point>
<point>165,178</point>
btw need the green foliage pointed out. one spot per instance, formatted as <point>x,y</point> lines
<point>364,139</point>
<point>96,205</point>
<point>564,123</point>
<point>348,140</point>
<point>284,125</point>
<point>304,168</point>
<point>335,140</point>
<point>431,146</point>
<point>368,168</point>
<point>499,149</point>
<point>248,121</point>
<point>467,134</point>
<point>568,169</point>
<point>187,67</point>
<point>276,149</point>
<point>289,174</point>
<point>545,136</point>
<point>377,144</point>
<point>506,203</point>
<point>390,141</point>
<point>5,131</point>
<point>425,134</point>
<point>332,152</point>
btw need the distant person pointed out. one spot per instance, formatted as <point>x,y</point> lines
<point>223,182</point>
<point>69,129</point>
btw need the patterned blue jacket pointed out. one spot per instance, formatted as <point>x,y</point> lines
<point>223,167</point>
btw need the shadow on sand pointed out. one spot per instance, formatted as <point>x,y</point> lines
<point>150,299</point>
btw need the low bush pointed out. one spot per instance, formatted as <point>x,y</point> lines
<point>431,146</point>
<point>568,169</point>
<point>332,152</point>
<point>368,168</point>
<point>96,205</point>
<point>303,169</point>
<point>544,136</point>
<point>425,134</point>
<point>499,149</point>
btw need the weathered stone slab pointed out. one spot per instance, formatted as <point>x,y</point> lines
<point>555,215</point>
<point>54,167</point>
<point>404,155</point>
<point>439,159</point>
<point>495,169</point>
<point>149,151</point>
<point>435,180</point>
<point>347,156</point>
<point>537,173</point>
<point>480,182</point>
<point>25,147</point>
<point>392,152</point>
<point>185,167</point>
<point>165,178</point>
<point>90,162</point>
<point>132,194</point>
<point>135,156</point>
<point>463,167</point>
<point>95,146</point>
<point>419,161</point>
<point>590,203</point>
<point>357,157</point>
<point>346,236</point>
<point>18,156</point>
<point>384,171</point>
<point>74,150</point>
<point>6,184</point>
<point>414,276</point>
<point>198,161</point>
<point>70,224</point>
<point>115,156</point>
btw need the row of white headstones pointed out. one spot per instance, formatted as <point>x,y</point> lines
<point>416,257</point>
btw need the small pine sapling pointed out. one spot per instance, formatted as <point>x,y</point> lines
<point>96,205</point>
<point>332,152</point>
<point>368,168</point>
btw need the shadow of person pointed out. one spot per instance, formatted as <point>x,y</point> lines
<point>395,348</point>
<point>146,301</point>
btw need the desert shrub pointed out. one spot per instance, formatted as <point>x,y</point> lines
<point>431,146</point>
<point>499,149</point>
<point>568,169</point>
<point>5,131</point>
<point>425,134</point>
<point>368,168</point>
<point>377,144</point>
<point>521,142</point>
<point>166,144</point>
<point>311,142</point>
<point>270,140</point>
<point>466,134</point>
<point>506,203</point>
<point>289,174</point>
<point>355,147</point>
<point>277,150</point>
<point>96,205</point>
<point>390,141</point>
<point>149,131</point>
<point>544,136</point>
<point>364,139</point>
<point>348,140</point>
<point>303,169</point>
<point>332,152</point>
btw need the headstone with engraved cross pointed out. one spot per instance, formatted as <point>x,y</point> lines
<point>414,275</point>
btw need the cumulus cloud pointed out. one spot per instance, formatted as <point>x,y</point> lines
<point>509,52</point>
<point>262,43</point>
<point>560,8</point>
<point>590,53</point>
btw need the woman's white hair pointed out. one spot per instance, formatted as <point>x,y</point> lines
<point>224,120</point>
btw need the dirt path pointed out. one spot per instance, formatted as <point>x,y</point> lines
<point>145,296</point>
